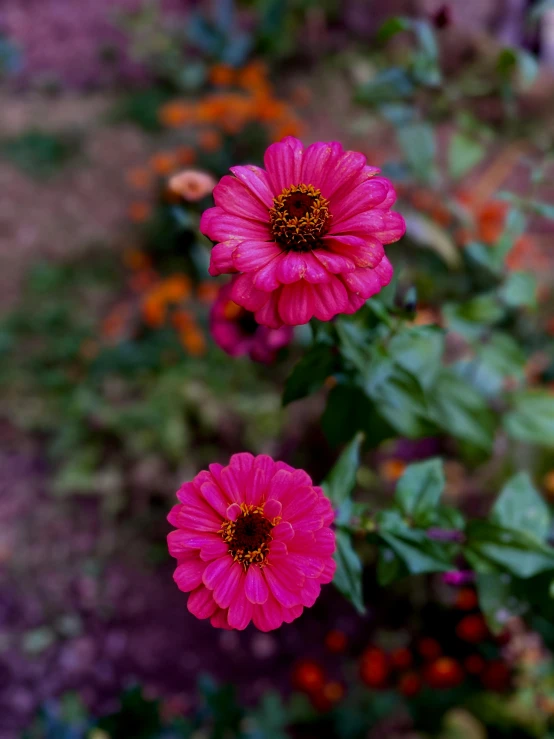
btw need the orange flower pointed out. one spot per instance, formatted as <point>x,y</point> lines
<point>444,673</point>
<point>548,482</point>
<point>182,319</point>
<point>253,77</point>
<point>185,155</point>
<point>308,676</point>
<point>142,280</point>
<point>154,310</point>
<point>113,325</point>
<point>175,114</point>
<point>207,291</point>
<point>409,684</point>
<point>466,599</point>
<point>374,668</point>
<point>441,215</point>
<point>490,221</point>
<point>231,310</point>
<point>209,140</point>
<point>271,109</point>
<point>222,75</point>
<point>302,95</point>
<point>175,288</point>
<point>163,163</point>
<point>401,658</point>
<point>138,178</point>
<point>424,200</point>
<point>136,259</point>
<point>139,211</point>
<point>192,184</point>
<point>291,127</point>
<point>392,469</point>
<point>193,341</point>
<point>333,691</point>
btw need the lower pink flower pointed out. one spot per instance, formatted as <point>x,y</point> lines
<point>253,542</point>
<point>237,332</point>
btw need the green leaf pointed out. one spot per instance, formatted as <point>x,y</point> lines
<point>348,410</point>
<point>389,85</point>
<point>309,373</point>
<point>519,290</point>
<point>428,234</point>
<point>348,575</point>
<point>520,506</point>
<point>538,11</point>
<point>546,210</point>
<point>496,600</point>
<point>532,417</point>
<point>400,400</point>
<point>418,553</point>
<point>470,318</point>
<point>391,27</point>
<point>339,483</point>
<point>491,547</point>
<point>461,411</point>
<point>419,351</point>
<point>419,490</point>
<point>499,358</point>
<point>418,144</point>
<point>464,153</point>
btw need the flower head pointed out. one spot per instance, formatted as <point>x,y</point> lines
<point>236,331</point>
<point>253,542</point>
<point>306,233</point>
<point>191,184</point>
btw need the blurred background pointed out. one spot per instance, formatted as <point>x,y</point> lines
<point>113,391</point>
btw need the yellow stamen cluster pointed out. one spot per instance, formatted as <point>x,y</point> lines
<point>299,217</point>
<point>248,536</point>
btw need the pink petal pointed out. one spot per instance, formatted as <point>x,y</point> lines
<point>268,314</point>
<point>239,614</point>
<point>201,603</point>
<point>213,495</point>
<point>188,493</point>
<point>279,589</point>
<point>384,225</point>
<point>255,587</point>
<point>329,299</point>
<point>363,282</point>
<point>385,271</point>
<point>272,508</point>
<point>283,531</point>
<point>199,519</point>
<point>348,166</point>
<point>315,162</point>
<point>257,181</point>
<point>269,616</point>
<point>189,576</point>
<point>174,513</point>
<point>219,620</point>
<point>213,549</point>
<point>233,512</point>
<point>283,162</point>
<point>290,614</point>
<point>253,255</point>
<point>329,571</point>
<point>224,577</point>
<point>221,258</point>
<point>354,304</point>
<point>315,271</point>
<point>364,252</point>
<point>296,304</point>
<point>370,194</point>
<point>218,225</point>
<point>231,195</point>
<point>335,263</point>
<point>310,566</point>
<point>266,277</point>
<point>310,593</point>
<point>245,294</point>
<point>291,267</point>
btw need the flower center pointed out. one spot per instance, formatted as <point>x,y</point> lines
<point>248,536</point>
<point>300,217</point>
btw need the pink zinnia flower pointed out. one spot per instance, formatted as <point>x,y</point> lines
<point>306,233</point>
<point>237,332</point>
<point>253,542</point>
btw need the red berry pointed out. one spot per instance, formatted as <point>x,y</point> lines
<point>496,676</point>
<point>466,599</point>
<point>474,664</point>
<point>374,668</point>
<point>409,684</point>
<point>429,648</point>
<point>308,676</point>
<point>472,629</point>
<point>336,641</point>
<point>444,673</point>
<point>401,658</point>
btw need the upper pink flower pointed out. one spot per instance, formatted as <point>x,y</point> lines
<point>236,331</point>
<point>253,542</point>
<point>306,233</point>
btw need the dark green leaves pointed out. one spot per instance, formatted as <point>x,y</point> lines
<point>419,490</point>
<point>348,575</point>
<point>310,373</point>
<point>464,153</point>
<point>532,417</point>
<point>339,483</point>
<point>520,506</point>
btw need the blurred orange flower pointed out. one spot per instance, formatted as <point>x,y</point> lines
<point>138,178</point>
<point>392,469</point>
<point>222,75</point>
<point>253,78</point>
<point>140,211</point>
<point>207,291</point>
<point>163,163</point>
<point>193,341</point>
<point>175,114</point>
<point>136,259</point>
<point>185,155</point>
<point>209,140</point>
<point>192,184</point>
